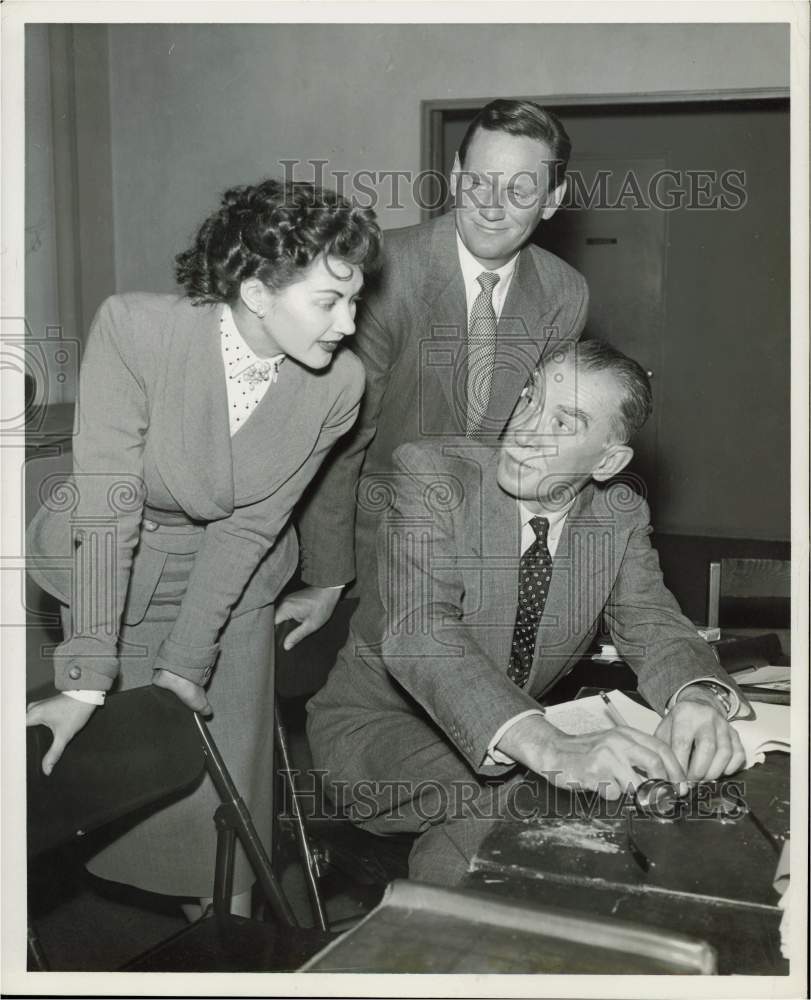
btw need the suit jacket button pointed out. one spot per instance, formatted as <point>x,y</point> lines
<point>75,673</point>
<point>149,525</point>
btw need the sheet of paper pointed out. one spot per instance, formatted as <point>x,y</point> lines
<point>773,678</point>
<point>767,732</point>
<point>636,716</point>
<point>588,715</point>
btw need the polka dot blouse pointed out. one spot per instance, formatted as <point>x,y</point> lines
<point>247,376</point>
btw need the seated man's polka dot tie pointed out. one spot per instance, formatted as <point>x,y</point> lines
<point>534,577</point>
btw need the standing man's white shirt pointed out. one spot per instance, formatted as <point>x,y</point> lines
<point>471,269</point>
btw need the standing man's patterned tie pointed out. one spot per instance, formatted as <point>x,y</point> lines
<point>534,575</point>
<point>481,353</point>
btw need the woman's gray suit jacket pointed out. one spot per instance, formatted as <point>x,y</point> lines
<point>152,445</point>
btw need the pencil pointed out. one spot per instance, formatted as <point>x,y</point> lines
<point>613,711</point>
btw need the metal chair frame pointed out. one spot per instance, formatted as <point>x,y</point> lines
<point>233,821</point>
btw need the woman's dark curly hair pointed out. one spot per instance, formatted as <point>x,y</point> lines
<point>273,231</point>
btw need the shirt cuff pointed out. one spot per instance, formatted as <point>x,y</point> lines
<point>734,700</point>
<point>88,697</point>
<point>495,756</point>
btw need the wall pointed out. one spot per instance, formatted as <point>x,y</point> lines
<point>68,197</point>
<point>41,281</point>
<point>195,108</point>
<point>166,116</point>
<point>94,182</point>
<point>719,338</point>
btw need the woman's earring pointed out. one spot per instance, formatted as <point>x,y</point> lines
<point>260,313</point>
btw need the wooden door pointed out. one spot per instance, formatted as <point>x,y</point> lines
<point>622,254</point>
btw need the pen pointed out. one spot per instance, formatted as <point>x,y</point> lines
<point>612,710</point>
<point>639,856</point>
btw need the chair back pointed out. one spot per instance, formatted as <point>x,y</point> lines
<point>750,593</point>
<point>140,749</point>
<point>303,670</point>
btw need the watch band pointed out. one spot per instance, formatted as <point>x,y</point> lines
<point>721,693</point>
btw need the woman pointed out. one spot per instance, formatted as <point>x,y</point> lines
<point>200,421</point>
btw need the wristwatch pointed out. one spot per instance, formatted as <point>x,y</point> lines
<point>722,694</point>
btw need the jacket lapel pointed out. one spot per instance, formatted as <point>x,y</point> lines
<point>493,538</point>
<point>584,569</point>
<point>520,342</point>
<point>191,415</point>
<point>521,337</point>
<point>445,312</point>
<point>279,434</point>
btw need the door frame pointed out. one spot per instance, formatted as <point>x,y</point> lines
<point>434,114</point>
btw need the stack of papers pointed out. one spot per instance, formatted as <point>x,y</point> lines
<point>769,678</point>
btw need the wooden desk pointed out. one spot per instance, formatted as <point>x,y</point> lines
<point>710,880</point>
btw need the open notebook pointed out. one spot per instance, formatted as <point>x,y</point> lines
<point>769,730</point>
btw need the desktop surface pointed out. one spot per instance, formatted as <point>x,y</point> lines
<point>707,877</point>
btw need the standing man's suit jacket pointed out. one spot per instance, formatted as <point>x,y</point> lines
<point>412,339</point>
<point>152,444</point>
<point>448,559</point>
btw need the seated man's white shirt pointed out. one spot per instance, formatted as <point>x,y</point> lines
<point>556,523</point>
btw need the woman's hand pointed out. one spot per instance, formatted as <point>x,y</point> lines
<point>312,606</point>
<point>191,694</point>
<point>64,716</point>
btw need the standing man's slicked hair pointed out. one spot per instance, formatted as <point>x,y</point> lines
<point>528,119</point>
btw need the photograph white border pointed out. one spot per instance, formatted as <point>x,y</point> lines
<point>13,17</point>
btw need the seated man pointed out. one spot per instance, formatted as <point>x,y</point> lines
<point>495,566</point>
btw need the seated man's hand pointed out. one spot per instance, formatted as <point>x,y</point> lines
<point>191,694</point>
<point>705,744</point>
<point>612,762</point>
<point>312,607</point>
<point>64,716</point>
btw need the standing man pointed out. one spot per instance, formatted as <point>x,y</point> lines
<point>463,311</point>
